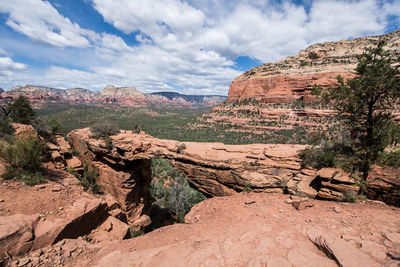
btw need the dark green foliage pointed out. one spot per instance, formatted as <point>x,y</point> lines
<point>364,104</point>
<point>24,160</point>
<point>55,126</point>
<point>5,127</point>
<point>171,190</point>
<point>391,159</point>
<point>104,129</point>
<point>136,233</point>
<point>318,157</point>
<point>177,124</point>
<point>247,188</point>
<point>109,142</point>
<point>21,111</point>
<point>88,178</point>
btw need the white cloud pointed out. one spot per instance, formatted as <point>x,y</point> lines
<point>155,18</point>
<point>40,21</point>
<point>8,66</point>
<point>334,20</point>
<point>184,44</point>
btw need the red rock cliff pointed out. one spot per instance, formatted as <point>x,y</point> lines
<point>294,76</point>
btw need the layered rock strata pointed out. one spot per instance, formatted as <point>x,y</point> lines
<point>212,168</point>
<point>294,76</point>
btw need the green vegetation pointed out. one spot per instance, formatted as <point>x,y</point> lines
<point>193,124</point>
<point>135,233</point>
<point>247,188</point>
<point>389,158</point>
<point>158,122</point>
<point>364,105</point>
<point>87,179</point>
<point>5,127</point>
<point>170,190</point>
<point>104,130</point>
<point>55,126</point>
<point>20,111</point>
<point>23,157</point>
<point>24,160</point>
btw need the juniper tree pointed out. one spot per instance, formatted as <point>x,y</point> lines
<point>364,104</point>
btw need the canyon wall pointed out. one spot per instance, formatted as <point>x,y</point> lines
<point>294,76</point>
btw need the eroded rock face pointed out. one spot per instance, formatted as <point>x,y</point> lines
<point>20,233</point>
<point>294,76</point>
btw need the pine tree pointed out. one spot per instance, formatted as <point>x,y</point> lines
<point>20,111</point>
<point>364,104</point>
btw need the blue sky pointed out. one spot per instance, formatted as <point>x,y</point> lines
<point>193,47</point>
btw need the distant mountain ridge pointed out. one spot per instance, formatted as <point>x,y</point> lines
<point>205,99</point>
<point>125,96</point>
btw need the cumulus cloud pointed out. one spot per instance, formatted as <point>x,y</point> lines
<point>186,44</point>
<point>8,66</point>
<point>40,21</point>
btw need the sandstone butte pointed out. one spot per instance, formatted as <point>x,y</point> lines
<point>294,76</point>
<point>264,228</point>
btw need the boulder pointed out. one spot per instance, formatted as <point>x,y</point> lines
<point>335,184</point>
<point>383,184</point>
<point>301,205</point>
<point>17,234</point>
<point>84,216</point>
<point>111,229</point>
<point>23,131</point>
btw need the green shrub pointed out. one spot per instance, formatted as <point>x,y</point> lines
<point>104,129</point>
<point>87,179</point>
<point>135,233</point>
<point>21,111</point>
<point>171,190</point>
<point>55,126</point>
<point>247,188</point>
<point>24,160</point>
<point>318,157</point>
<point>5,127</point>
<point>109,142</point>
<point>391,159</point>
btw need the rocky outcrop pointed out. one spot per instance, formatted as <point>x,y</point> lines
<point>294,76</point>
<point>212,168</point>
<point>335,184</point>
<point>202,100</point>
<point>112,91</point>
<point>384,184</point>
<point>16,234</point>
<point>20,234</point>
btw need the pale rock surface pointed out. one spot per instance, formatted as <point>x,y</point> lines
<point>225,231</point>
